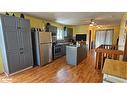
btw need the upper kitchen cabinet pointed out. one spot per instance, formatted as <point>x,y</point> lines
<point>68,33</point>
<point>16,46</point>
<point>50,28</point>
<point>53,29</point>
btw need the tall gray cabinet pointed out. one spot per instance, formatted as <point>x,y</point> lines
<point>15,43</point>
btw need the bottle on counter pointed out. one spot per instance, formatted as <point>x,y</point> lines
<point>77,44</point>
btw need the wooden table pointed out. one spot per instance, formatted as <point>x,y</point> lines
<point>115,68</point>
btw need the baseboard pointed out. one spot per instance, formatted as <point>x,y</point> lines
<point>19,71</point>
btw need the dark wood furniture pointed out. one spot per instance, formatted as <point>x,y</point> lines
<point>106,51</point>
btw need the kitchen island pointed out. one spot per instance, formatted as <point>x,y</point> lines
<point>75,54</point>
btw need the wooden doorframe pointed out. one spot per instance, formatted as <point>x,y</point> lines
<point>125,50</point>
<point>89,39</point>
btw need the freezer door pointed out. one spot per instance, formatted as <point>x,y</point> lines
<point>45,53</point>
<point>45,37</point>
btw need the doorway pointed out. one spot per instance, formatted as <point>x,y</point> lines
<point>89,39</point>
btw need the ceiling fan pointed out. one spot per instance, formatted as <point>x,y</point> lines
<point>93,23</point>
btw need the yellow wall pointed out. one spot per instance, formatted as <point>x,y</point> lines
<point>81,29</point>
<point>35,22</point>
<point>122,34</point>
<point>85,29</point>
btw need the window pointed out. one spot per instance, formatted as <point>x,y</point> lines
<point>104,37</point>
<point>60,34</point>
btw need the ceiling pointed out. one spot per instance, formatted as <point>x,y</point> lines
<point>79,18</point>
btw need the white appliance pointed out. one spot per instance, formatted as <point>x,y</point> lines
<point>42,47</point>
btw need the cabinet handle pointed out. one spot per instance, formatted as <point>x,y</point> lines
<point>21,48</point>
<point>21,52</point>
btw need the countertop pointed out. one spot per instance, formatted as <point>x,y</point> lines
<point>73,46</point>
<point>63,43</point>
<point>115,68</point>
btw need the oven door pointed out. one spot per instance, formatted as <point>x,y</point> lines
<point>57,51</point>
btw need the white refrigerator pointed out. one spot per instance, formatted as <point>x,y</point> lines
<point>42,47</point>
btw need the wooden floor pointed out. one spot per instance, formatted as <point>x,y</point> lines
<point>59,72</point>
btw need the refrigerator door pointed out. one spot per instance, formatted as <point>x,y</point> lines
<point>36,47</point>
<point>45,53</point>
<point>45,37</point>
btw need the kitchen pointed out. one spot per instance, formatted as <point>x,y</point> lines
<point>31,45</point>
<point>63,47</point>
<point>56,42</point>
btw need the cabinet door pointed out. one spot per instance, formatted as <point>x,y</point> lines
<point>53,29</point>
<point>10,21</point>
<point>11,39</point>
<point>64,49</point>
<point>69,33</point>
<point>50,29</point>
<point>12,49</point>
<point>26,59</point>
<point>12,43</point>
<point>23,23</point>
<point>10,32</point>
<point>26,55</point>
<point>13,62</point>
<point>26,50</point>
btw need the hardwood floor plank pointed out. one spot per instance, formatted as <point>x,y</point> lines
<point>59,72</point>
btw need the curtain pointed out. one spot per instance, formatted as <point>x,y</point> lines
<point>108,38</point>
<point>104,37</point>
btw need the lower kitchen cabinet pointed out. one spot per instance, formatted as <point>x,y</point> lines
<point>26,59</point>
<point>13,62</point>
<point>64,48</point>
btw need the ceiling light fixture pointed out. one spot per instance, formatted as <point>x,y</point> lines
<point>92,23</point>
